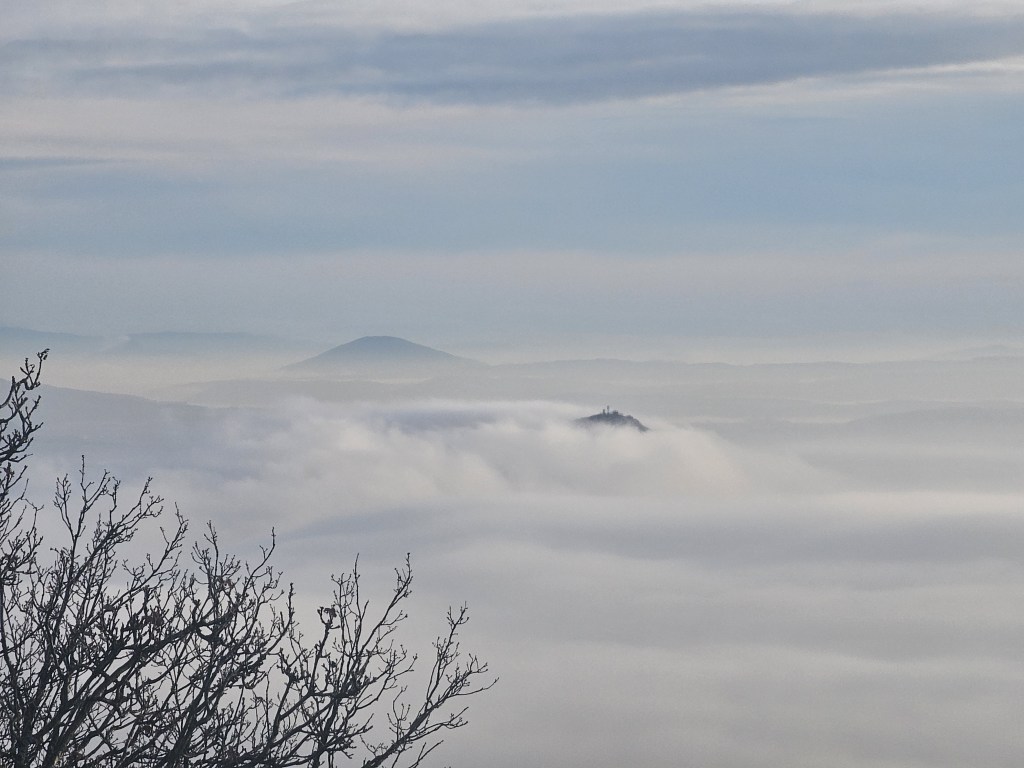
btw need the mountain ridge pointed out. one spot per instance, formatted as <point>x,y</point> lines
<point>385,353</point>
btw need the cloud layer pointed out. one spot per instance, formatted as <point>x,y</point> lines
<point>682,171</point>
<point>762,596</point>
<point>555,60</point>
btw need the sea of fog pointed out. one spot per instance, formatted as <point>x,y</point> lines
<point>801,564</point>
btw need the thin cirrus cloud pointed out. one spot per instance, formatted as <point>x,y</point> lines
<point>562,60</point>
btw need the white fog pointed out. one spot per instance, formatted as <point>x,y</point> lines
<point>799,564</point>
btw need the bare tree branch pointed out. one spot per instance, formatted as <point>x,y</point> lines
<point>192,656</point>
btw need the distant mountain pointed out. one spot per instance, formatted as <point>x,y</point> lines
<point>25,342</point>
<point>991,350</point>
<point>611,418</point>
<point>385,356</point>
<point>188,344</point>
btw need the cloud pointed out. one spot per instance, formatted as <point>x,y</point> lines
<point>646,599</point>
<point>400,457</point>
<point>554,60</point>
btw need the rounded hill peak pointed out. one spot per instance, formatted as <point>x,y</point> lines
<point>383,353</point>
<point>611,418</point>
<point>387,345</point>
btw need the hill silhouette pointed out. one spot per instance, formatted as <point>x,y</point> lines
<point>611,418</point>
<point>386,355</point>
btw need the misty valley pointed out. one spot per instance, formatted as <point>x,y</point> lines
<point>800,552</point>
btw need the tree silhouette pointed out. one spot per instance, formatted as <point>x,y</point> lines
<point>191,656</point>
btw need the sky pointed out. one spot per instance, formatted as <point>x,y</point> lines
<point>512,172</point>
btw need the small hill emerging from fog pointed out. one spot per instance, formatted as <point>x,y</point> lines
<point>611,418</point>
<point>383,356</point>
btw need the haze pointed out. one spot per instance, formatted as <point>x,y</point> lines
<point>785,236</point>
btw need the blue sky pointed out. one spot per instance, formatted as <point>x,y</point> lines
<point>679,170</point>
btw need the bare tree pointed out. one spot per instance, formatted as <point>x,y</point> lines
<point>191,656</point>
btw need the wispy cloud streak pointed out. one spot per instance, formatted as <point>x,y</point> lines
<point>551,61</point>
